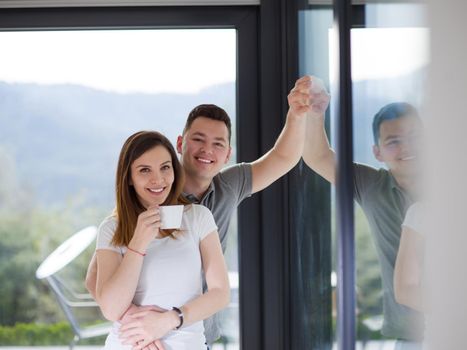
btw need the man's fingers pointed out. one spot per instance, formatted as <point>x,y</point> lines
<point>127,326</point>
<point>297,97</point>
<point>141,345</point>
<point>134,309</point>
<point>156,308</point>
<point>139,314</point>
<point>152,346</point>
<point>304,86</point>
<point>159,345</point>
<point>304,79</point>
<point>131,329</point>
<point>133,340</point>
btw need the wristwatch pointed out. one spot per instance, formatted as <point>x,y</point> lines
<point>180,316</point>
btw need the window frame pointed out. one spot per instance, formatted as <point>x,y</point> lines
<point>245,20</point>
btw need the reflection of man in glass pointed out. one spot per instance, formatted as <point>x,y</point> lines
<point>384,196</point>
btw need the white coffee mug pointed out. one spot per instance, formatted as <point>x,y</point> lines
<point>171,216</point>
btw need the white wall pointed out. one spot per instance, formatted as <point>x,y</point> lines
<point>446,127</point>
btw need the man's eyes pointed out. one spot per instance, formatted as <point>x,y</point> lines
<point>216,144</point>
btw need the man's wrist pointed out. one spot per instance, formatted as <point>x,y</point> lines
<point>293,116</point>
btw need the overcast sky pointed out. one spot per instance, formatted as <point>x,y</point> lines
<point>388,52</point>
<point>121,60</point>
<point>178,60</point>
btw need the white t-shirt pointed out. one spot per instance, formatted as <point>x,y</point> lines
<point>413,218</point>
<point>171,274</point>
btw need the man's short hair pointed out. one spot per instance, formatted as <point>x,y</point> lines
<point>211,112</point>
<point>390,112</point>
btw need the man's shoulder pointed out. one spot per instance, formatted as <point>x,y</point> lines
<point>233,183</point>
<point>235,168</point>
<point>370,181</point>
<point>365,172</point>
<point>233,174</point>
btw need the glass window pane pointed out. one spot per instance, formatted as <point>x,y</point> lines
<point>315,295</point>
<point>68,101</point>
<point>389,59</point>
<point>389,62</point>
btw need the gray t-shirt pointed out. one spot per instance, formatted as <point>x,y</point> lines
<point>226,191</point>
<point>385,203</point>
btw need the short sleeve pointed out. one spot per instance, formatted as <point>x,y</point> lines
<point>205,221</point>
<point>364,176</point>
<point>105,234</point>
<point>239,178</point>
<point>413,218</point>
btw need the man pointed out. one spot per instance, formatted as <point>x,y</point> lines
<point>205,149</point>
<point>384,196</point>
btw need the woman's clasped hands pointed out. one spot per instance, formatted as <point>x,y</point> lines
<point>142,327</point>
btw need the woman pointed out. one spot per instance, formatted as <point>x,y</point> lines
<point>408,269</point>
<point>140,263</point>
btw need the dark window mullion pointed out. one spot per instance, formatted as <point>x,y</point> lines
<point>344,183</point>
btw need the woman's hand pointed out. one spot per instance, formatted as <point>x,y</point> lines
<point>147,326</point>
<point>156,345</point>
<point>128,317</point>
<point>147,228</point>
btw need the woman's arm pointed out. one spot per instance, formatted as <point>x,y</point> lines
<point>91,276</point>
<point>408,270</point>
<point>117,277</point>
<point>152,325</point>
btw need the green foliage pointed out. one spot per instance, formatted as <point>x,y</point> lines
<point>27,237</point>
<point>18,260</point>
<point>36,334</point>
<point>28,334</point>
<point>364,333</point>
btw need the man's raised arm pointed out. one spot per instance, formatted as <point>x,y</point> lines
<point>317,153</point>
<point>288,148</point>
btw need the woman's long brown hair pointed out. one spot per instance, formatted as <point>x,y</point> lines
<point>128,205</point>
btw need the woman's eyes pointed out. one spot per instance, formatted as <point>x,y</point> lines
<point>148,170</point>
